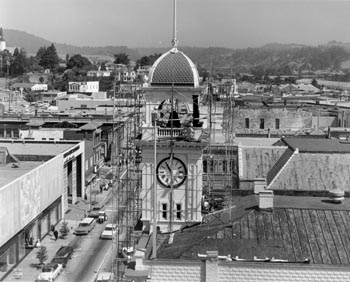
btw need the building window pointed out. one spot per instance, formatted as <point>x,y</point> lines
<point>165,211</point>
<point>178,211</point>
<point>277,123</point>
<point>205,166</point>
<point>247,123</point>
<point>262,123</point>
<point>224,166</point>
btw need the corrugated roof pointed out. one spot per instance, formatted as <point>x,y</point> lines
<point>298,228</point>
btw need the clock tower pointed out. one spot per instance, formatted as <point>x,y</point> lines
<point>172,144</point>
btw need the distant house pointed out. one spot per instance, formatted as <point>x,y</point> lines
<point>99,73</point>
<point>29,87</point>
<point>83,86</point>
<point>82,101</point>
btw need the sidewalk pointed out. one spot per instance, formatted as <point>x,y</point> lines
<point>26,270</point>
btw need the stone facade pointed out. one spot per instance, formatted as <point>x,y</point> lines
<point>264,119</point>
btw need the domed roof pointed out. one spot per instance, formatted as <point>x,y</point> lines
<point>174,68</point>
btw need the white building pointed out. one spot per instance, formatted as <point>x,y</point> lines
<point>83,86</point>
<point>36,180</point>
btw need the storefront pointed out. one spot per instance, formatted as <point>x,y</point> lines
<point>16,249</point>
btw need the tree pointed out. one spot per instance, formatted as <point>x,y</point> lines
<point>121,58</point>
<point>103,66</point>
<point>78,61</point>
<point>64,230</point>
<point>41,255</point>
<point>148,60</point>
<point>19,63</point>
<point>49,59</point>
<point>5,58</point>
<point>106,83</point>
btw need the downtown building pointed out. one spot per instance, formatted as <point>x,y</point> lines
<point>37,181</point>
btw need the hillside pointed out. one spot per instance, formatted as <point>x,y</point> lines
<point>273,58</point>
<point>32,43</point>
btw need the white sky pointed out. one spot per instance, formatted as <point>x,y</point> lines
<point>144,23</point>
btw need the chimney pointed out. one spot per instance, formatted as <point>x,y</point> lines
<point>211,266</point>
<point>139,256</point>
<point>259,185</point>
<point>266,200</point>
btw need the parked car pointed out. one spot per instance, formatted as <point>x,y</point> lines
<point>50,272</point>
<point>94,213</point>
<point>85,226</point>
<point>109,232</point>
<point>63,255</point>
<point>104,277</point>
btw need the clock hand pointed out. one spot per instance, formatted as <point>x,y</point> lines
<point>170,170</point>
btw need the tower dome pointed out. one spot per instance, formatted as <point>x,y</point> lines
<point>174,68</point>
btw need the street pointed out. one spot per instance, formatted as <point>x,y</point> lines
<point>91,254</point>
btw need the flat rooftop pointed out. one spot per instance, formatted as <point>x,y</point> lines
<point>9,173</point>
<point>36,148</point>
<point>30,154</point>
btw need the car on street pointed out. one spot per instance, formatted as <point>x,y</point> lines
<point>85,226</point>
<point>104,277</point>
<point>63,255</point>
<point>109,232</point>
<point>49,272</point>
<point>94,213</point>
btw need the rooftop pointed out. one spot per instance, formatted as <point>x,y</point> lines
<point>318,145</point>
<point>174,68</point>
<point>27,156</point>
<point>9,173</point>
<point>35,148</point>
<point>298,228</point>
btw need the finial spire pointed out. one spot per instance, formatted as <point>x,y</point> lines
<point>174,41</point>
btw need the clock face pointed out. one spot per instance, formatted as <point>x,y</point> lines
<point>171,172</point>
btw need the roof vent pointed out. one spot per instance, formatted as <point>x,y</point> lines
<point>266,200</point>
<point>336,196</point>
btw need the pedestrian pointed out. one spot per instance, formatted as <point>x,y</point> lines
<point>101,188</point>
<point>55,233</point>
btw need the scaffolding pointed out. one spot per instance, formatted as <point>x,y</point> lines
<point>220,159</point>
<point>127,181</point>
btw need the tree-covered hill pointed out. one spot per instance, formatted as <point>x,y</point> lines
<point>273,59</point>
